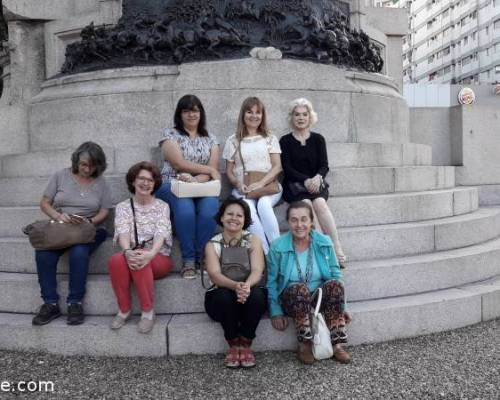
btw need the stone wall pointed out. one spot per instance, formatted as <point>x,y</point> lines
<point>465,136</point>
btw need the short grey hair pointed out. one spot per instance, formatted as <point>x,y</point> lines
<point>302,102</point>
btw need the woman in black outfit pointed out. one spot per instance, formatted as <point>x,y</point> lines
<point>305,164</point>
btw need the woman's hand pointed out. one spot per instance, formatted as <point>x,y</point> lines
<point>185,177</point>
<point>63,217</point>
<point>242,188</point>
<point>137,259</point>
<point>279,323</point>
<point>313,185</point>
<point>242,290</point>
<point>215,174</point>
<point>255,186</point>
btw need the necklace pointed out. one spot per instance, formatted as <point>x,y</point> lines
<point>84,189</point>
<point>301,139</point>
<point>234,242</point>
<point>309,265</point>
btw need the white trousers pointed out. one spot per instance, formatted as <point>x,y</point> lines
<point>264,222</point>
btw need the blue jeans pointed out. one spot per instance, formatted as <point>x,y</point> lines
<point>79,256</point>
<point>193,221</point>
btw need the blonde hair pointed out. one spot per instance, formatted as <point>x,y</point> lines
<point>248,103</point>
<point>302,102</point>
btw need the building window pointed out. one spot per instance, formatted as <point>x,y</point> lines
<point>446,32</point>
<point>466,40</point>
<point>466,60</point>
<point>446,70</point>
<point>487,30</point>
<point>445,13</point>
<point>496,24</point>
<point>474,34</point>
<point>446,51</point>
<point>497,69</point>
<point>463,21</point>
<point>430,59</point>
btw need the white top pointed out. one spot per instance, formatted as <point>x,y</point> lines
<point>255,150</point>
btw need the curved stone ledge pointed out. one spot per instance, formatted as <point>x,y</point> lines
<point>133,105</point>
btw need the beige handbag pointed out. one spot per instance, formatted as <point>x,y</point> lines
<point>195,189</point>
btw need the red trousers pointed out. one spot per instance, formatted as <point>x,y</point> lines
<point>121,276</point>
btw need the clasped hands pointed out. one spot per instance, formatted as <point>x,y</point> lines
<point>137,259</point>
<point>187,177</point>
<point>250,188</point>
<point>242,290</point>
<point>313,185</point>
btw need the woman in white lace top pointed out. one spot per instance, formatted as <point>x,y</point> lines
<point>260,151</point>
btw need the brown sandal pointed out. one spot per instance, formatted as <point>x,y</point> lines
<point>232,359</point>
<point>247,358</point>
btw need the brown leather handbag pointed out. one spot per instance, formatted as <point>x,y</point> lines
<point>55,235</point>
<point>250,177</point>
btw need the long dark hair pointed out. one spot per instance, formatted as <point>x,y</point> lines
<point>190,102</point>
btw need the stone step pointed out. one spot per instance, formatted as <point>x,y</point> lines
<point>373,321</point>
<point>378,154</point>
<point>381,180</point>
<point>348,210</point>
<point>44,163</point>
<point>341,155</point>
<point>367,280</point>
<point>359,243</point>
<point>26,191</point>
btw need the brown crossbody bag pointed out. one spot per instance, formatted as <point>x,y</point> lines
<point>250,177</point>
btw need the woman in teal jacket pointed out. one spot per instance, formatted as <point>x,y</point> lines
<point>299,262</point>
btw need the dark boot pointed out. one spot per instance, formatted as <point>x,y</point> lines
<point>304,352</point>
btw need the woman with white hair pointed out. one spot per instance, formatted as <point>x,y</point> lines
<point>305,165</point>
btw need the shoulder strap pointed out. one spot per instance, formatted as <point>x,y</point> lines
<point>241,157</point>
<point>136,236</point>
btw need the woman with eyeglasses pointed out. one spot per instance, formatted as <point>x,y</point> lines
<point>192,155</point>
<point>75,195</point>
<point>143,231</point>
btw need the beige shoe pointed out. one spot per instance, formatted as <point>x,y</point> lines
<point>146,325</point>
<point>119,321</point>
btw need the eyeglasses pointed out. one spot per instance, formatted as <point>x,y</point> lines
<point>190,111</point>
<point>144,179</point>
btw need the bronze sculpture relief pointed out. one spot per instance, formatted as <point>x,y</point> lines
<point>177,31</point>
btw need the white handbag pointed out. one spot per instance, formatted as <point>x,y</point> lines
<point>195,189</point>
<point>322,345</point>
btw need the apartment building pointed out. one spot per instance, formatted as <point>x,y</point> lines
<point>452,41</point>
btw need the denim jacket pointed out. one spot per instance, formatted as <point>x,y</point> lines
<point>281,261</point>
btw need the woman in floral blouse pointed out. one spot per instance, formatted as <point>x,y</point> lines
<point>146,258</point>
<point>191,155</point>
